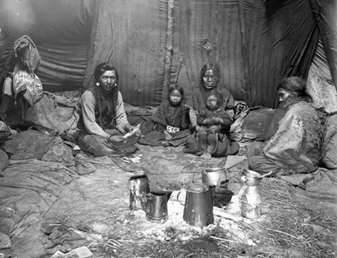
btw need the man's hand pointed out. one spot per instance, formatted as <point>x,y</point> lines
<point>128,128</point>
<point>132,130</point>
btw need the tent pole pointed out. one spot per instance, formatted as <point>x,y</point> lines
<point>169,47</point>
<point>244,53</point>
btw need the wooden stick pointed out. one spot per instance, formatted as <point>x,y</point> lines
<point>281,232</point>
<point>223,239</point>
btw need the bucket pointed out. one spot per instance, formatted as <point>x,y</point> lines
<point>138,188</point>
<point>156,207</point>
<point>198,210</point>
<point>212,176</point>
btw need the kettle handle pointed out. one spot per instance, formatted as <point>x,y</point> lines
<point>148,198</point>
<point>258,175</point>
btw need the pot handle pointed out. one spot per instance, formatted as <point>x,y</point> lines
<point>146,201</point>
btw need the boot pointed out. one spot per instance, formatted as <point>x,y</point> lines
<point>192,146</point>
<point>202,141</point>
<point>212,143</point>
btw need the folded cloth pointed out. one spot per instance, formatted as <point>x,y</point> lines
<point>3,160</point>
<point>157,138</point>
<point>100,146</point>
<point>153,138</point>
<point>5,132</point>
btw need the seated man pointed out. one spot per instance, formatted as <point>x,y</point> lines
<point>293,143</point>
<point>104,121</point>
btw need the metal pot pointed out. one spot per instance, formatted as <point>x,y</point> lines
<point>198,210</point>
<point>156,207</point>
<point>139,188</point>
<point>212,176</point>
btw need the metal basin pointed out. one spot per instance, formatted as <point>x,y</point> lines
<point>212,176</point>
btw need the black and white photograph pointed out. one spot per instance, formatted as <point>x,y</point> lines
<point>168,128</point>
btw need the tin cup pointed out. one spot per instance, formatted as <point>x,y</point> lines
<point>198,210</point>
<point>138,188</point>
<point>156,207</point>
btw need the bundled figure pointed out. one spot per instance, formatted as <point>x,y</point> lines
<point>294,138</point>
<point>213,125</point>
<point>170,124</point>
<point>22,88</point>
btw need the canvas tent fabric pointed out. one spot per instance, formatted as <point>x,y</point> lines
<point>153,43</point>
<point>325,15</point>
<point>131,34</point>
<point>320,85</point>
<point>61,31</point>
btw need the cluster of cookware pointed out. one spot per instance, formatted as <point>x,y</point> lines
<point>198,203</point>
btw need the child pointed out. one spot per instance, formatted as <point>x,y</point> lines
<point>211,132</point>
<point>170,124</point>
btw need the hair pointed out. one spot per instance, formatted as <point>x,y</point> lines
<point>294,84</point>
<point>207,67</point>
<point>106,102</point>
<point>102,68</point>
<point>27,53</point>
<point>178,88</point>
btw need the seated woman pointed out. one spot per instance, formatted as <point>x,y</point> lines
<point>294,140</point>
<point>211,130</point>
<point>22,88</point>
<point>104,121</point>
<point>209,84</point>
<point>170,124</point>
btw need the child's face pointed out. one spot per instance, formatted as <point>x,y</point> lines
<point>175,97</point>
<point>212,102</point>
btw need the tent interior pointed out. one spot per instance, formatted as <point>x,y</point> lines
<point>47,207</point>
<point>156,43</point>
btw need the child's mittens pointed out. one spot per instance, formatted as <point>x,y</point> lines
<point>167,135</point>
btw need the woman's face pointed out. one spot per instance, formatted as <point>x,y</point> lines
<point>210,79</point>
<point>283,95</point>
<point>175,97</point>
<point>108,80</point>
